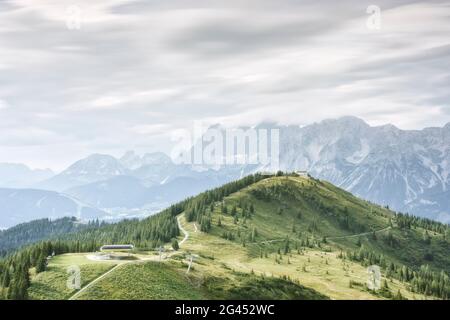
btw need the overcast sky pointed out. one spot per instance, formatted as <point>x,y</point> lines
<point>134,71</point>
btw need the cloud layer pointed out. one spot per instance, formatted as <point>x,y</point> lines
<point>137,70</point>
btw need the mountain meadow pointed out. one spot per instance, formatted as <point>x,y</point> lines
<point>281,236</point>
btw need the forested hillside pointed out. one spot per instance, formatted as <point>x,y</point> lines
<point>313,214</point>
<point>42,229</point>
<point>300,229</point>
<point>145,234</point>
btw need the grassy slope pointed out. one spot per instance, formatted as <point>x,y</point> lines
<point>316,269</point>
<point>409,250</point>
<point>161,282</point>
<point>325,271</point>
<point>169,280</point>
<point>52,284</point>
<point>229,269</point>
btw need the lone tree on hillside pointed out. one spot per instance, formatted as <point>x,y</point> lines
<point>41,264</point>
<point>175,245</point>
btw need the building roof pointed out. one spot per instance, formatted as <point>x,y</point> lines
<point>117,247</point>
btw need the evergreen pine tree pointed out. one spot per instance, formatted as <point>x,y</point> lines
<point>41,263</point>
<point>175,245</point>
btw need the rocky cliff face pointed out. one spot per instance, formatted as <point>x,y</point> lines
<point>407,170</point>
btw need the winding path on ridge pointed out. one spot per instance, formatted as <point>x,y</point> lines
<point>90,284</point>
<point>333,238</point>
<point>359,234</point>
<point>186,234</point>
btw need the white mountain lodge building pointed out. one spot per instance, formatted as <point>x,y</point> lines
<point>117,247</point>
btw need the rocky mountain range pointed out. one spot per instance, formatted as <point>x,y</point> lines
<point>407,170</point>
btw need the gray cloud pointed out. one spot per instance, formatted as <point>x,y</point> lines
<point>137,70</point>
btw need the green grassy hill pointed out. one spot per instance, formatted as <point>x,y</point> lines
<point>170,281</point>
<point>283,237</point>
<point>312,213</point>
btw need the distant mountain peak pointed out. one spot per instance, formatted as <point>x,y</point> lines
<point>351,119</point>
<point>405,169</point>
<point>347,120</point>
<point>156,158</point>
<point>18,175</point>
<point>388,128</point>
<point>95,167</point>
<point>98,163</point>
<point>133,161</point>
